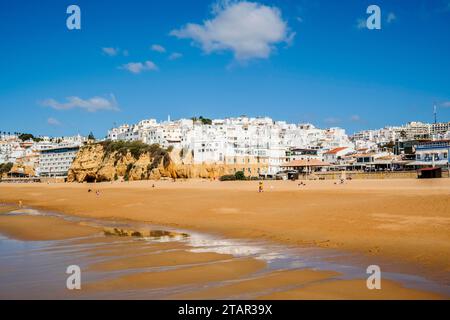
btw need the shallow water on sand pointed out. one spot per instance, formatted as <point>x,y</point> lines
<point>36,269</point>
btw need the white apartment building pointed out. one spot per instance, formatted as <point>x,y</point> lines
<point>410,131</point>
<point>303,154</point>
<point>335,155</point>
<point>56,162</point>
<point>10,151</point>
<point>414,130</point>
<point>30,153</point>
<point>441,128</point>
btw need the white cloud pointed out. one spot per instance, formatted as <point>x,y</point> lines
<point>112,52</point>
<point>250,30</point>
<point>175,56</point>
<point>158,48</point>
<point>138,67</point>
<point>445,104</point>
<point>391,17</point>
<point>355,118</point>
<point>53,122</point>
<point>332,121</point>
<point>91,105</point>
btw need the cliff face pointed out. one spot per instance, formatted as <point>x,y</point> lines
<point>182,165</point>
<point>95,163</point>
<point>21,168</point>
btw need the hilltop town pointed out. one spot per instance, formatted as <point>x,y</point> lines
<point>208,148</point>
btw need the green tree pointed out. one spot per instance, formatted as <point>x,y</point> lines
<point>240,175</point>
<point>91,136</point>
<point>205,120</point>
<point>202,120</point>
<point>5,167</point>
<point>26,136</point>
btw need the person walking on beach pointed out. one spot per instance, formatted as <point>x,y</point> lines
<point>261,187</point>
<point>343,177</point>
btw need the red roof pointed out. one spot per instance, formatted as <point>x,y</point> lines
<point>336,150</point>
<point>306,163</point>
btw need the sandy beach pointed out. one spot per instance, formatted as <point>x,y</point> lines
<point>401,225</point>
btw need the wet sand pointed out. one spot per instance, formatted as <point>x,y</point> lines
<point>33,228</point>
<point>164,259</point>
<point>403,220</point>
<point>7,208</point>
<point>202,274</point>
<point>351,290</point>
<point>128,267</point>
<point>403,224</point>
<point>260,284</point>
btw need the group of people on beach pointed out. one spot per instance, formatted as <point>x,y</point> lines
<point>342,180</point>
<point>97,192</point>
<point>260,186</point>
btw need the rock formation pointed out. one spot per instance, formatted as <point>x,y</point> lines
<point>99,162</point>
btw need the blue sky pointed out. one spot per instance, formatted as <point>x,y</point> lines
<point>300,61</point>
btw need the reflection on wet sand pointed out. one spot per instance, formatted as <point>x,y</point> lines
<point>131,260</point>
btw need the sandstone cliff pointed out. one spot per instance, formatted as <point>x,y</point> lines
<point>135,161</point>
<point>23,169</point>
<point>96,163</point>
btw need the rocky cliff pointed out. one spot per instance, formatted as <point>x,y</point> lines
<point>101,162</point>
<point>110,161</point>
<point>23,169</point>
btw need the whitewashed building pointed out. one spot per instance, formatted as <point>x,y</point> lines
<point>56,162</point>
<point>334,156</point>
<point>258,146</point>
